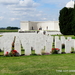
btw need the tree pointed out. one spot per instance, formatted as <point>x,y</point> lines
<point>65,21</point>
<point>11,28</point>
<point>73,23</point>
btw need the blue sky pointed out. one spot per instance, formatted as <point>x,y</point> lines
<point>14,11</point>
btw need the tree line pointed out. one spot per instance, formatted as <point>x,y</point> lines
<point>10,28</point>
<point>67,21</point>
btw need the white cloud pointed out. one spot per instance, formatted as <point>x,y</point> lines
<point>19,3</point>
<point>58,2</point>
<point>9,2</point>
<point>24,9</point>
<point>38,14</point>
<point>44,18</point>
<point>1,17</point>
<point>55,1</point>
<point>28,3</point>
<point>22,6</point>
<point>13,19</point>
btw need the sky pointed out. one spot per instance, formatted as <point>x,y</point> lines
<point>12,12</point>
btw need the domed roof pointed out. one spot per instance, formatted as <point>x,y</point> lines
<point>70,4</point>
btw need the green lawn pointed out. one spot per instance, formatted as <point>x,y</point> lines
<point>73,37</point>
<point>55,64</point>
<point>4,30</point>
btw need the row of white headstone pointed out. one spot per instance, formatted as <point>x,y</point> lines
<point>69,43</point>
<point>37,41</point>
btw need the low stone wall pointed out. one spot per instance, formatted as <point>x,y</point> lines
<point>27,31</point>
<point>47,32</point>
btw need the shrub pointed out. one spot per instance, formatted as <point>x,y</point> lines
<point>55,50</point>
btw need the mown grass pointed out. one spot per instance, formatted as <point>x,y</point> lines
<point>73,37</point>
<point>38,65</point>
<point>4,30</point>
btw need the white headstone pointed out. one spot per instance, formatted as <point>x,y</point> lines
<point>68,46</point>
<point>58,45</point>
<point>27,48</point>
<point>38,48</point>
<point>56,38</point>
<point>18,47</point>
<point>74,44</point>
<point>48,47</point>
<point>63,39</point>
<point>69,38</point>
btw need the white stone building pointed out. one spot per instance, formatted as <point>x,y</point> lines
<point>43,25</point>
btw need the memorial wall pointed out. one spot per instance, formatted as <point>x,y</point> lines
<point>43,25</point>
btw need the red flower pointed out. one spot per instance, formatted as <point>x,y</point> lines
<point>55,49</point>
<point>6,53</point>
<point>14,51</point>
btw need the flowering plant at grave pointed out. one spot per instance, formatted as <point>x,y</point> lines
<point>38,54</point>
<point>55,50</point>
<point>14,53</point>
<point>47,53</point>
<point>7,54</point>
